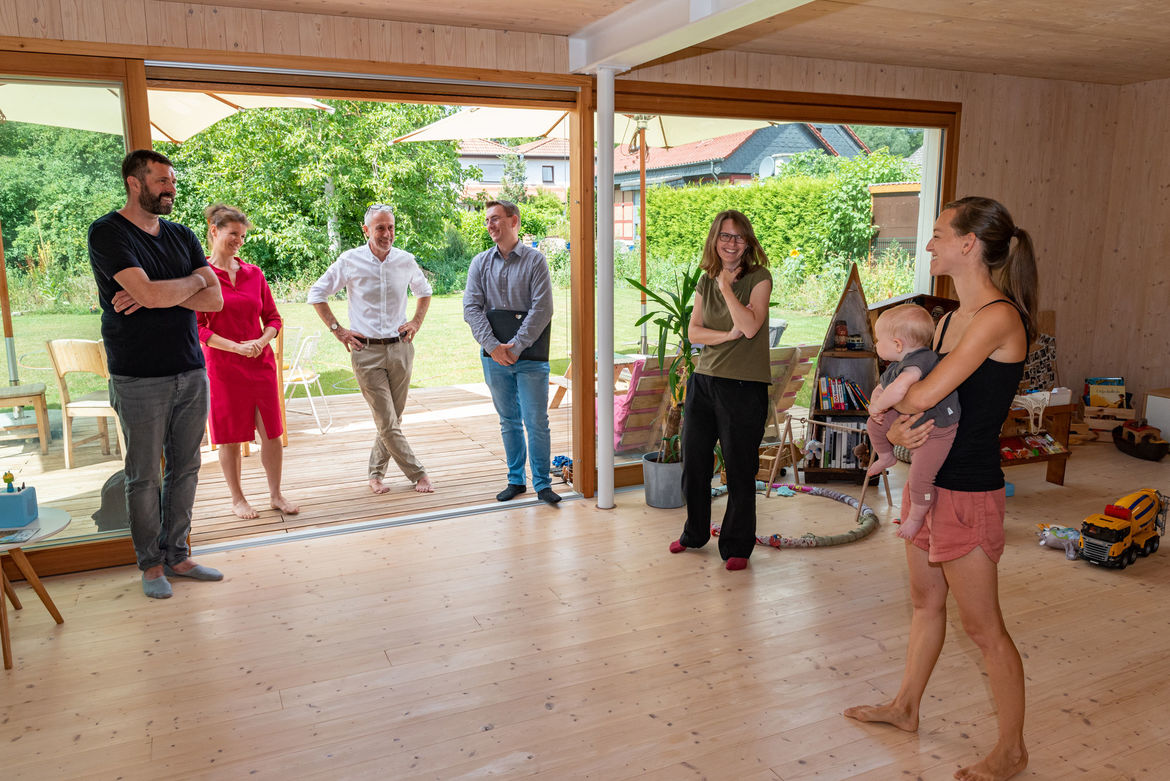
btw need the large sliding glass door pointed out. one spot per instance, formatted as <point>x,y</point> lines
<point>64,133</point>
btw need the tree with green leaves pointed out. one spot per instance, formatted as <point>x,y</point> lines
<point>898,141</point>
<point>53,183</point>
<point>514,182</point>
<point>305,178</point>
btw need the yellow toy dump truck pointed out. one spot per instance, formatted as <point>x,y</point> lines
<point>1130,527</point>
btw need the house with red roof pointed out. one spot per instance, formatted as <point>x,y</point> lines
<point>736,157</point>
<point>546,161</point>
<point>487,156</point>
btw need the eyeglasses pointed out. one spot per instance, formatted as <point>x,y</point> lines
<point>731,238</point>
<point>377,208</point>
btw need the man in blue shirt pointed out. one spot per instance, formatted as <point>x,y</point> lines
<point>508,304</point>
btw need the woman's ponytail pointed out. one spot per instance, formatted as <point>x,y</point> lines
<point>1013,267</point>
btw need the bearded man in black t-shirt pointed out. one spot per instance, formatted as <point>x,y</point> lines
<point>152,277</point>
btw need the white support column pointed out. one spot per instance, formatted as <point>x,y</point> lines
<point>928,206</point>
<point>605,282</point>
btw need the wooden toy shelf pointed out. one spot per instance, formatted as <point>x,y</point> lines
<point>1057,421</point>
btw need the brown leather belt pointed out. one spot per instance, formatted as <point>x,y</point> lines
<point>391,340</point>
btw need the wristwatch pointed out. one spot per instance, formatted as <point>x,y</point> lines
<point>334,326</point>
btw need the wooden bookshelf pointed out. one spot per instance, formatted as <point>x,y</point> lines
<point>859,366</point>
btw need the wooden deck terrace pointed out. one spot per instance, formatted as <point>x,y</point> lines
<point>454,431</point>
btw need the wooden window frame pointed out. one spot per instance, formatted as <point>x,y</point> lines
<point>648,97</point>
<point>349,80</point>
<point>439,84</point>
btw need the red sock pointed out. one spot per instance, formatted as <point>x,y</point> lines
<point>735,562</point>
<point>677,547</point>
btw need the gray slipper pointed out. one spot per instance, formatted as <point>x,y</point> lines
<point>198,572</point>
<point>156,588</point>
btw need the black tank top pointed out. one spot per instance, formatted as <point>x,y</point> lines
<point>984,398</point>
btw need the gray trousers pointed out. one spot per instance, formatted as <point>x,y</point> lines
<point>383,373</point>
<point>162,418</point>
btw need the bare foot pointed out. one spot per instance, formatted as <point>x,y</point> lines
<point>881,464</point>
<point>884,714</point>
<point>1000,765</point>
<point>378,487</point>
<point>244,510</point>
<point>909,528</point>
<point>284,505</point>
<point>423,486</point>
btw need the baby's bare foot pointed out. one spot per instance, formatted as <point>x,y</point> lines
<point>423,486</point>
<point>378,487</point>
<point>881,464</point>
<point>909,529</point>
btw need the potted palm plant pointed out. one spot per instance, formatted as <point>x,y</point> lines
<point>662,469</point>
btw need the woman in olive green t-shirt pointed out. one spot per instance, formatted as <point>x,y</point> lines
<point>727,396</point>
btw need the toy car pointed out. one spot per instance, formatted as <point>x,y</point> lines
<point>1130,527</point>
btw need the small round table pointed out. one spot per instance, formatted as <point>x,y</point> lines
<point>50,521</point>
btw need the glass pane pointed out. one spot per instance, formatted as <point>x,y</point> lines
<point>304,176</point>
<point>61,147</point>
<point>820,197</point>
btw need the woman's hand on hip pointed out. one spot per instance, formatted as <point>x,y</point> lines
<point>903,433</point>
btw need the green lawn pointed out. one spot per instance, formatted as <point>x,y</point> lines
<point>445,352</point>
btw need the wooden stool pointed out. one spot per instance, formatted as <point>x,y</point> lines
<point>30,395</point>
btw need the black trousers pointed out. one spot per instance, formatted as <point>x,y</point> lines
<point>734,412</point>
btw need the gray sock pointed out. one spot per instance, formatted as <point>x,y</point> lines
<point>158,588</point>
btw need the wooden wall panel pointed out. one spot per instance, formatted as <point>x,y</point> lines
<point>9,17</point>
<point>83,21</point>
<point>1131,284</point>
<point>1046,149</point>
<point>235,29</point>
<point>39,18</point>
<point>243,28</point>
<point>124,21</point>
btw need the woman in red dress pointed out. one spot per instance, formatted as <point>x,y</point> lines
<point>240,363</point>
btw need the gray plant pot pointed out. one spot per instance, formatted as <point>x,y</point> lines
<point>663,482</point>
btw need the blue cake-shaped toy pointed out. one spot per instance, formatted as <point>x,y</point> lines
<point>18,506</point>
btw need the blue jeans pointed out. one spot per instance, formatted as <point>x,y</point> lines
<point>520,393</point>
<point>162,417</point>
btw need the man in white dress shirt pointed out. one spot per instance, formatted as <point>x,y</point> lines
<point>376,277</point>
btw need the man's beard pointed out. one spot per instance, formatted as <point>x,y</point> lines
<point>154,203</point>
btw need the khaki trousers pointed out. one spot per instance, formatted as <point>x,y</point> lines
<point>383,373</point>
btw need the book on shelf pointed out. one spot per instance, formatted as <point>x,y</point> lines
<point>838,445</point>
<point>838,394</point>
<point>1105,392</point>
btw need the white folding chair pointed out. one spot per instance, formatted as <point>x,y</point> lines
<point>301,373</point>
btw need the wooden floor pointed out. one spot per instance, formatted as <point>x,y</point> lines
<point>454,431</point>
<point>567,643</point>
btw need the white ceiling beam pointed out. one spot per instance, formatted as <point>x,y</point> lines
<point>645,30</point>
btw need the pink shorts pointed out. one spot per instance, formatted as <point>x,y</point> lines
<point>959,522</point>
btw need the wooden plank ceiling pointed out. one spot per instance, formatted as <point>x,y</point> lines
<point>562,17</point>
<point>1079,40</point>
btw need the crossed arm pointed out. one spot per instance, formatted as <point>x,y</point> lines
<point>746,320</point>
<point>198,291</point>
